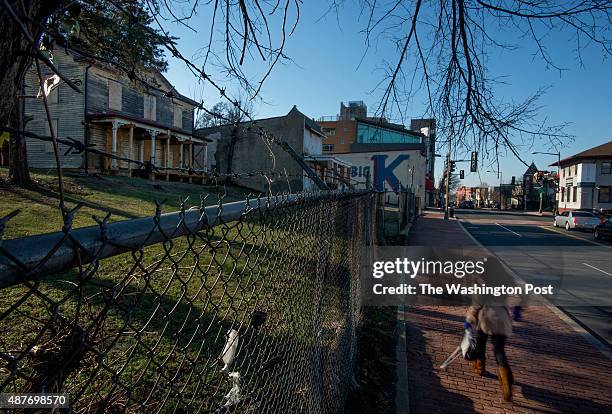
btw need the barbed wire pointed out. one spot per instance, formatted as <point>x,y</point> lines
<point>77,147</point>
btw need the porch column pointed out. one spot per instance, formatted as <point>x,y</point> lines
<point>130,148</point>
<point>153,135</point>
<point>168,164</point>
<point>114,146</point>
<point>181,154</point>
<point>192,159</point>
<point>141,155</point>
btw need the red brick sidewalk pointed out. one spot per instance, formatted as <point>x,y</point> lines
<point>555,369</point>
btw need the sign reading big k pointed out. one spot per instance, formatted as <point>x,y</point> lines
<point>384,172</point>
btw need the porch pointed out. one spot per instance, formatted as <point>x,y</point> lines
<point>173,155</point>
<point>334,171</point>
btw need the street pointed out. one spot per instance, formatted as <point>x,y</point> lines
<point>579,266</point>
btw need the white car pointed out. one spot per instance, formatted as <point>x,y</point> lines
<point>576,220</point>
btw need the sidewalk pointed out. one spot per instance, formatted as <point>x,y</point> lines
<point>555,369</point>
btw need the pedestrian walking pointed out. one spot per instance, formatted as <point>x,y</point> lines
<point>494,321</point>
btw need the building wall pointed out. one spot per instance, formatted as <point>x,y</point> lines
<point>381,163</point>
<point>242,151</point>
<point>68,114</point>
<point>313,143</point>
<point>345,133</point>
<point>132,102</point>
<point>588,178</point>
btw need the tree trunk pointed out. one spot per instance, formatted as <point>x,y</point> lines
<point>15,60</point>
<point>18,167</point>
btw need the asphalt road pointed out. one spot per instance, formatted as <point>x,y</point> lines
<point>578,266</point>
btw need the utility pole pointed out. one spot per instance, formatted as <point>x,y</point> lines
<point>501,180</point>
<point>446,189</point>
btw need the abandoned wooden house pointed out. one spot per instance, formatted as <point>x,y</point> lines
<point>143,121</point>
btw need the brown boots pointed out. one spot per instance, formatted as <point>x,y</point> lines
<point>505,380</point>
<point>479,367</point>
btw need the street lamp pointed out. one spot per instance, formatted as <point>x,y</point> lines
<point>500,175</point>
<point>558,154</point>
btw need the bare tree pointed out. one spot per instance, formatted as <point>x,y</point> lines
<point>223,113</point>
<point>444,48</point>
<point>239,32</point>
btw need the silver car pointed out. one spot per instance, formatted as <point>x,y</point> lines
<point>576,220</point>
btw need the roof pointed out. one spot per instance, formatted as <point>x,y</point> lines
<point>104,115</point>
<point>600,151</point>
<point>328,157</point>
<point>532,169</point>
<point>308,123</point>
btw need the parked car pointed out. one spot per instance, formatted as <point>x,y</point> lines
<point>603,230</point>
<point>576,220</point>
<point>466,204</point>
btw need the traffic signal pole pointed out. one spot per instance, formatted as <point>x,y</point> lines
<point>446,189</point>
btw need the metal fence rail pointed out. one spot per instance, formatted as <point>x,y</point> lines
<point>240,307</point>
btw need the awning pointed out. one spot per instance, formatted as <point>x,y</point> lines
<point>328,158</point>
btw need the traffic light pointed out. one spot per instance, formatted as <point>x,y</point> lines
<point>452,166</point>
<point>474,162</point>
<point>461,174</point>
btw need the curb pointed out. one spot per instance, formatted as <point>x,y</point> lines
<point>402,397</point>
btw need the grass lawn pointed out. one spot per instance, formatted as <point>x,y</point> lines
<point>157,318</point>
<point>122,196</point>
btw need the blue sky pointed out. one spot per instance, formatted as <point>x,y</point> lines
<point>326,71</point>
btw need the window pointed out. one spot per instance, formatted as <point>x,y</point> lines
<point>115,93</point>
<point>150,107</point>
<point>368,134</point>
<point>576,169</point>
<point>178,116</point>
<point>48,145</point>
<point>328,147</point>
<point>575,194</point>
<point>562,195</point>
<point>606,167</point>
<point>605,194</point>
<point>329,131</point>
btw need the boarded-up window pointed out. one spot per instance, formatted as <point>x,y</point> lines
<point>178,116</point>
<point>48,145</point>
<point>114,95</point>
<point>150,107</point>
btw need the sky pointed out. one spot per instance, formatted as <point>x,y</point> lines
<point>327,68</point>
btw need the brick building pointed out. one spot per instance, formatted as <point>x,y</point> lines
<point>352,129</point>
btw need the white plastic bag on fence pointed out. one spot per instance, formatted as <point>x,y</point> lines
<point>229,350</point>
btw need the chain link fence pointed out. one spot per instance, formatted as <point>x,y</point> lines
<point>239,307</point>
